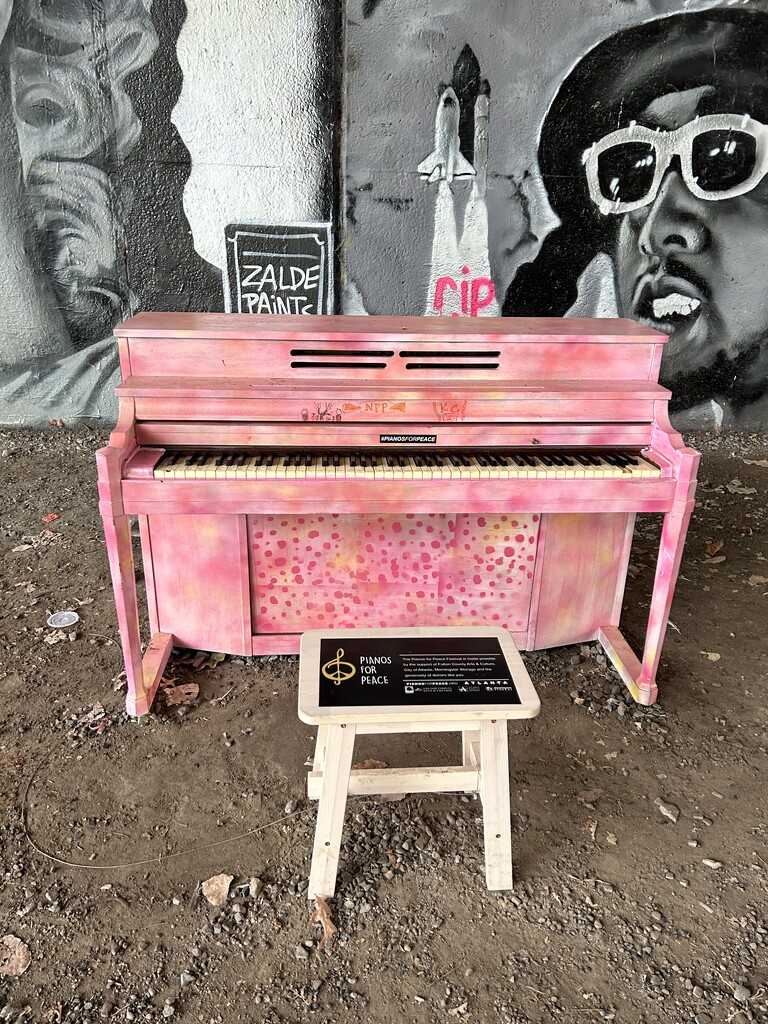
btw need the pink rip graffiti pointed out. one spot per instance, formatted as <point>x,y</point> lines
<point>472,297</point>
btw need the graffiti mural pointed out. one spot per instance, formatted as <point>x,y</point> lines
<point>117,181</point>
<point>61,240</point>
<point>621,173</point>
<point>654,154</point>
<point>503,158</point>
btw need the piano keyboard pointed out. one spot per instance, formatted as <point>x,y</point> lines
<point>299,464</point>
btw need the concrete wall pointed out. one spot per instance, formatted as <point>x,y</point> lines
<point>132,134</point>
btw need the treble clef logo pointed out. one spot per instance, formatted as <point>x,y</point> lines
<point>337,670</point>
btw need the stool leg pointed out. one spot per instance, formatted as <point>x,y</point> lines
<point>469,737</point>
<point>322,742</point>
<point>494,792</point>
<point>330,810</point>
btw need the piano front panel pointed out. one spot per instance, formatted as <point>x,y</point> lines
<point>580,574</point>
<point>243,584</point>
<point>199,587</point>
<point>314,571</point>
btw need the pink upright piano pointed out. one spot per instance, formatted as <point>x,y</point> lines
<point>300,472</point>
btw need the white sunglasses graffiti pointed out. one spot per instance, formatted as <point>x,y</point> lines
<point>721,156</point>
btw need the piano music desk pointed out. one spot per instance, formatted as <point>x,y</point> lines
<point>330,668</point>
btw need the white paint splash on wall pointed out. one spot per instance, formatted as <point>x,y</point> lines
<point>247,113</point>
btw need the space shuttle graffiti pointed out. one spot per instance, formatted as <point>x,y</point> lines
<point>460,281</point>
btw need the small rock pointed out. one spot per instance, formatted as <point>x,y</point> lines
<point>168,1010</point>
<point>741,994</point>
<point>668,810</point>
<point>714,864</point>
<point>301,953</point>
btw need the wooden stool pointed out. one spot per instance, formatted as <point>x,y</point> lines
<point>453,679</point>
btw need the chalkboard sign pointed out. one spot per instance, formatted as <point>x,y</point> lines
<point>279,268</point>
<point>418,671</point>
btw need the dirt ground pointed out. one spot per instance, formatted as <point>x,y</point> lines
<point>639,834</point>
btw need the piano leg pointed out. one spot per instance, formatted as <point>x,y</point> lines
<point>640,678</point>
<point>143,674</point>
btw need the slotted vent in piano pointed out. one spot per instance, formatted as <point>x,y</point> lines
<point>340,357</point>
<point>367,359</point>
<point>443,360</point>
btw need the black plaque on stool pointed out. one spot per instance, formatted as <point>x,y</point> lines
<point>431,671</point>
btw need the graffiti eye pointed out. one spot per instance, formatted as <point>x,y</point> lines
<point>625,173</point>
<point>724,159</point>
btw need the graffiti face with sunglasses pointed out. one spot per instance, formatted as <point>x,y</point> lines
<point>690,195</point>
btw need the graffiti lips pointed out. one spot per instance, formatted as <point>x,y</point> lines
<point>670,297</point>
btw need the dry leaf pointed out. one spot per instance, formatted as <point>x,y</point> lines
<point>590,825</point>
<point>755,581</point>
<point>456,1010</point>
<point>216,889</point>
<point>15,956</point>
<point>590,796</point>
<point>369,762</point>
<point>54,638</point>
<point>611,755</point>
<point>322,915</point>
<point>714,547</point>
<point>611,838</point>
<point>711,655</point>
<point>714,561</point>
<point>183,693</point>
<point>756,462</point>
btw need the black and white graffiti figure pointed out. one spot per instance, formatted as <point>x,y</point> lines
<point>654,154</point>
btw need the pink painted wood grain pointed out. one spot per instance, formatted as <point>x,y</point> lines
<point>582,562</point>
<point>200,569</point>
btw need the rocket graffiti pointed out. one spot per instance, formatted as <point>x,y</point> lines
<point>460,277</point>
